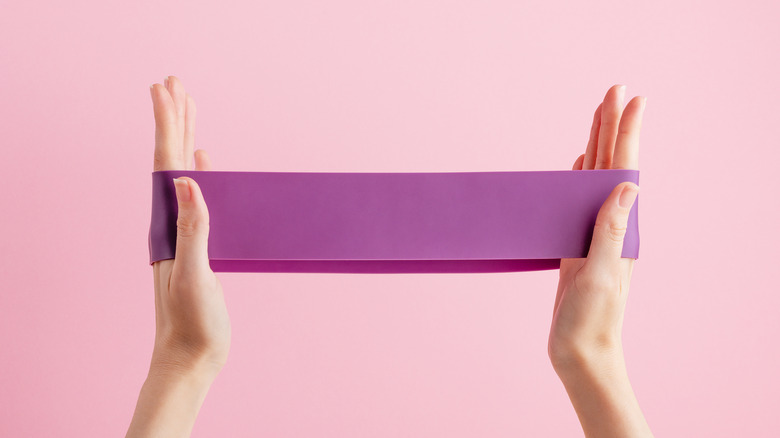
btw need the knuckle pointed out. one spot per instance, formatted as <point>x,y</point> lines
<point>187,226</point>
<point>613,230</point>
<point>603,163</point>
<point>158,161</point>
<point>616,233</point>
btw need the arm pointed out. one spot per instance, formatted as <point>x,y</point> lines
<point>585,345</point>
<point>192,336</point>
<point>602,396</point>
<point>169,403</point>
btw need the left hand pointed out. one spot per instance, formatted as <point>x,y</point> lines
<point>192,323</point>
<point>592,291</point>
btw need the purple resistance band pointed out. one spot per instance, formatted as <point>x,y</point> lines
<point>392,222</point>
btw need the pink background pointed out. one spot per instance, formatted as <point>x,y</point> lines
<point>388,86</point>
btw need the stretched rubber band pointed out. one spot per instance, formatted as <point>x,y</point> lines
<point>392,222</point>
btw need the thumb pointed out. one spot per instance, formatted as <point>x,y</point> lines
<point>192,225</point>
<point>606,246</point>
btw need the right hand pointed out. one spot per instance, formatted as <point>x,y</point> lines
<point>192,322</point>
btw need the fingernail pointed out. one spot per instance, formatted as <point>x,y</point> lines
<point>151,90</point>
<point>166,81</point>
<point>629,194</point>
<point>182,189</point>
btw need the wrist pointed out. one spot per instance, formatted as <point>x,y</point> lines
<point>169,401</point>
<point>195,368</point>
<point>596,380</point>
<point>595,362</point>
<point>196,381</point>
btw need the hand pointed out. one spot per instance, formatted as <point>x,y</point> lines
<point>193,327</point>
<point>192,338</point>
<point>585,345</point>
<point>592,291</point>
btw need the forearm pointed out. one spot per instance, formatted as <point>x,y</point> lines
<point>169,403</point>
<point>603,398</point>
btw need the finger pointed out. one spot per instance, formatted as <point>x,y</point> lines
<point>166,156</point>
<point>202,160</point>
<point>158,306</point>
<point>606,246</point>
<point>578,163</point>
<point>627,143</point>
<point>610,119</point>
<point>162,274</point>
<point>189,130</point>
<point>176,90</point>
<point>192,228</point>
<point>593,141</point>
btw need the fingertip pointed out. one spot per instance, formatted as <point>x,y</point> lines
<point>183,191</point>
<point>578,162</point>
<point>629,185</point>
<point>613,198</point>
<point>202,160</point>
<point>191,107</point>
<point>621,95</point>
<point>197,194</point>
<point>191,182</point>
<point>637,101</point>
<point>613,89</point>
<point>629,192</point>
<point>154,93</point>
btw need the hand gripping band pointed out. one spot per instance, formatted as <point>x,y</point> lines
<point>392,222</point>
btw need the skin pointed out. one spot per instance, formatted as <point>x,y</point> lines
<point>585,345</point>
<point>192,337</point>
